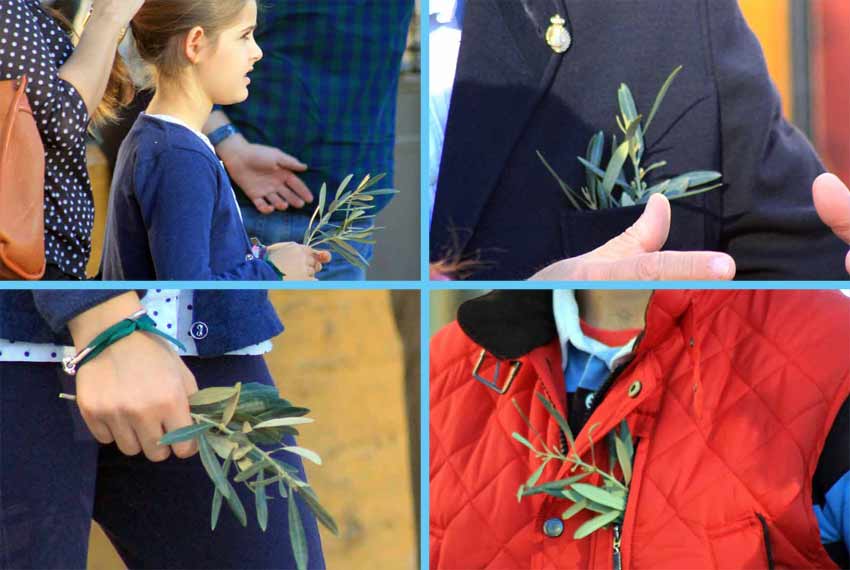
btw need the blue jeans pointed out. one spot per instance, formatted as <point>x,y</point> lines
<point>54,478</point>
<point>283,226</point>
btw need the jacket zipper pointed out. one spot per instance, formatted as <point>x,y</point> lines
<point>618,558</point>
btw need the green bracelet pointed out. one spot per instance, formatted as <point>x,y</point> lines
<point>138,321</point>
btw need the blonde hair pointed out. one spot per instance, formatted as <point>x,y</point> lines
<point>160,26</point>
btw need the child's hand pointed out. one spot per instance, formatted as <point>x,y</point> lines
<point>297,262</point>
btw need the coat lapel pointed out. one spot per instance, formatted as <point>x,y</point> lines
<point>504,67</point>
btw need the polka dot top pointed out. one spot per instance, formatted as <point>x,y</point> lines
<point>33,44</point>
<point>170,309</point>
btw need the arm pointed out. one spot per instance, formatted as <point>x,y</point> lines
<point>179,218</point>
<point>831,487</point>
<point>265,174</point>
<point>89,67</point>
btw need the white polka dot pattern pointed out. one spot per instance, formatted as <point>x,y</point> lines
<point>33,44</point>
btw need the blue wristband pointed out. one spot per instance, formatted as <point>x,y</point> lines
<point>220,134</point>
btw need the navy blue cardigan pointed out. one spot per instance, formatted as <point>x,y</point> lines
<point>234,318</point>
<point>172,214</point>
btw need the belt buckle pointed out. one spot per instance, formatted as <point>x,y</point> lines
<point>494,383</point>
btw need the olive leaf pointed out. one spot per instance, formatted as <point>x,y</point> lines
<point>608,187</point>
<point>233,423</point>
<point>357,225</point>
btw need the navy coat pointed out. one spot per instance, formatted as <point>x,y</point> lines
<point>514,96</point>
<point>234,319</point>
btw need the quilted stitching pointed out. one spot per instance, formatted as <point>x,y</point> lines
<point>756,364</point>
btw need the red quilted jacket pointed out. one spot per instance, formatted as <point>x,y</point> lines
<point>729,396</point>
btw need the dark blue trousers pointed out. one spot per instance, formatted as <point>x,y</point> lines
<point>55,478</point>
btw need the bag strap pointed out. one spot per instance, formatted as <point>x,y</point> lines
<point>11,116</point>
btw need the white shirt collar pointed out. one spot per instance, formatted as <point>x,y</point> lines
<point>565,309</point>
<point>176,121</point>
<point>443,9</point>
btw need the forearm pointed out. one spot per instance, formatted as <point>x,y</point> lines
<point>89,67</point>
<point>218,118</point>
<point>87,325</point>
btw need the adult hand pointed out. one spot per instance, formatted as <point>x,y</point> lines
<point>134,391</point>
<point>265,174</point>
<point>119,11</point>
<point>832,202</point>
<point>635,255</point>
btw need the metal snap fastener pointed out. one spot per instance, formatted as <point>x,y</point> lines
<point>553,528</point>
<point>249,257</point>
<point>635,389</point>
<point>199,330</point>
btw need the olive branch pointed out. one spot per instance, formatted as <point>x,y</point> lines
<point>358,223</point>
<point>608,187</point>
<point>232,423</point>
<point>609,500</point>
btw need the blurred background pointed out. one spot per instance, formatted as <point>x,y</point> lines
<point>397,251</point>
<point>352,357</point>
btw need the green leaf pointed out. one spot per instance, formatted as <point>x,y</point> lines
<point>281,489</point>
<point>305,453</point>
<point>565,188</point>
<point>184,433</point>
<point>574,509</point>
<point>592,506</point>
<point>523,441</point>
<point>624,459</point>
<point>318,510</point>
<point>595,524</point>
<point>211,396</point>
<point>212,466</point>
<point>231,405</point>
<point>249,472</point>
<point>261,502</point>
<point>554,488</point>
<point>627,103</point>
<point>615,167</point>
<point>654,166</point>
<point>660,97</point>
<point>222,446</point>
<point>626,200</point>
<point>626,436</point>
<point>296,535</point>
<point>599,496</point>
<point>277,422</point>
<point>621,181</point>
<point>562,423</point>
<point>216,504</point>
<point>536,475</point>
<point>594,156</point>
<point>236,507</point>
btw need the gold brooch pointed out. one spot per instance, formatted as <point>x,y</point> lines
<point>557,36</point>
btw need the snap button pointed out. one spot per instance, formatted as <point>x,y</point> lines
<point>553,528</point>
<point>588,402</point>
<point>249,257</point>
<point>635,388</point>
<point>199,330</point>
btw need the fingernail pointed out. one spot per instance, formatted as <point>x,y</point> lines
<point>721,266</point>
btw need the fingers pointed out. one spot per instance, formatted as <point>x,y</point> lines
<point>647,234</point>
<point>322,256</point>
<point>125,437</point>
<point>832,202</point>
<point>298,193</point>
<point>99,430</point>
<point>276,200</point>
<point>148,433</point>
<point>289,162</point>
<point>262,205</point>
<point>665,266</point>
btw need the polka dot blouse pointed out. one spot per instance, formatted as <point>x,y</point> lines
<point>33,44</point>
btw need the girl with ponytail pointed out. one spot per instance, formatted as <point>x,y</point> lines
<point>173,213</point>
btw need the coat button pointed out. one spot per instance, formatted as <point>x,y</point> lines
<point>635,388</point>
<point>199,330</point>
<point>249,257</point>
<point>553,528</point>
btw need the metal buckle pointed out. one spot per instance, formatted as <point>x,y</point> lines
<point>493,384</point>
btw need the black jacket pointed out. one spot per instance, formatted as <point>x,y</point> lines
<point>514,96</point>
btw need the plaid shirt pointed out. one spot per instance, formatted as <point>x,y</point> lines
<point>326,89</point>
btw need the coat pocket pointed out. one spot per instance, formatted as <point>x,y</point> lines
<point>742,545</point>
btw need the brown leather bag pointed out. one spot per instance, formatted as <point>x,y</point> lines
<point>21,186</point>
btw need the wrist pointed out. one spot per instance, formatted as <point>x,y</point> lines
<point>87,325</point>
<point>229,150</point>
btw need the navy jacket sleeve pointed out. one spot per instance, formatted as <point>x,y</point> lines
<point>57,307</point>
<point>770,218</point>
<point>178,204</point>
